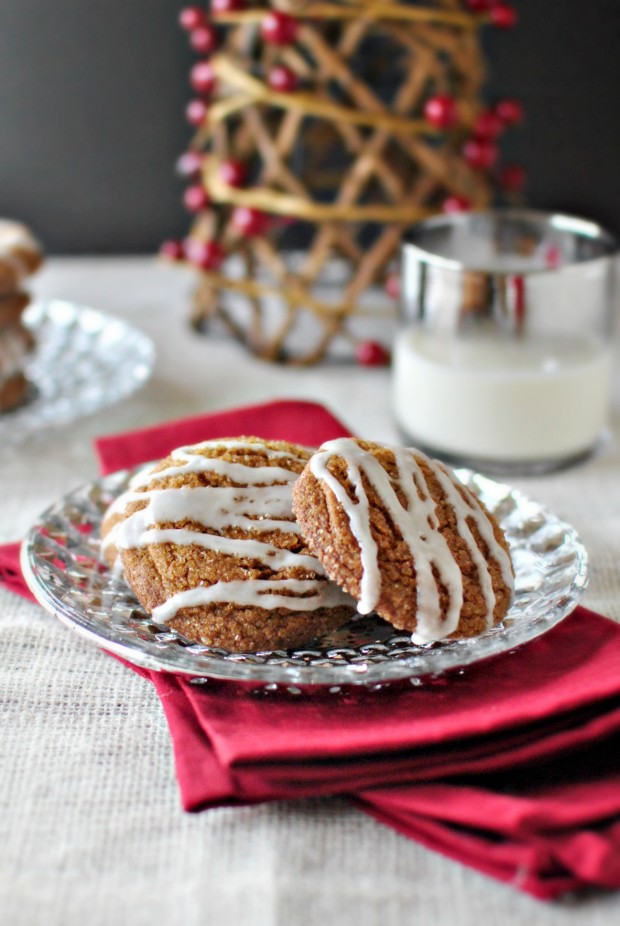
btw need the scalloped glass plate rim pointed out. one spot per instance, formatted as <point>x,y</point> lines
<point>158,648</point>
<point>62,390</point>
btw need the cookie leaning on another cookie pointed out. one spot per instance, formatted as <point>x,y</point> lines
<point>403,536</point>
<point>208,542</point>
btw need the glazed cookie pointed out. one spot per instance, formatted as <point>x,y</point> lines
<point>209,544</point>
<point>400,533</point>
<point>20,254</point>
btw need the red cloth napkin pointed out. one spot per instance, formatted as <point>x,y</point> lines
<point>511,767</point>
<point>10,572</point>
<point>300,422</point>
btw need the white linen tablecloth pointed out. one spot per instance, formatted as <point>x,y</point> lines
<point>91,829</point>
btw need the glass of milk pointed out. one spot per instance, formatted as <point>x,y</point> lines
<point>503,360</point>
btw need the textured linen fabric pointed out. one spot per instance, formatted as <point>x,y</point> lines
<point>552,703</point>
<point>90,824</point>
<point>549,711</point>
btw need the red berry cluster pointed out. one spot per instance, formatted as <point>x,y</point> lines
<point>208,255</point>
<point>441,111</point>
<point>204,39</point>
<point>502,15</point>
<point>372,354</point>
<point>480,150</point>
<point>282,79</point>
<point>507,113</point>
<point>277,28</point>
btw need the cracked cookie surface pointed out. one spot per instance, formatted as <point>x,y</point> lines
<point>398,531</point>
<point>208,541</point>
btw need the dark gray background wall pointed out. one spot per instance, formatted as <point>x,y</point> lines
<point>92,94</point>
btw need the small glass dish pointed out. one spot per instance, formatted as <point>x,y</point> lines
<point>83,361</point>
<point>62,566</point>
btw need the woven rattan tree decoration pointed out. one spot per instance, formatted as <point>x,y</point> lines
<point>324,129</point>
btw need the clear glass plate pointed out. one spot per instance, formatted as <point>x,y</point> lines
<point>84,360</point>
<point>62,565</point>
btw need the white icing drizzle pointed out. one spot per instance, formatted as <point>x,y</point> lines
<point>261,502</point>
<point>485,528</point>
<point>267,553</point>
<point>472,510</point>
<point>263,593</point>
<point>236,472</point>
<point>418,525</point>
<point>217,507</point>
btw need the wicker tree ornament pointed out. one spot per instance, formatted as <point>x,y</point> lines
<point>324,129</point>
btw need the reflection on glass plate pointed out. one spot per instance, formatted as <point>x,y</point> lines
<point>60,559</point>
<point>84,360</point>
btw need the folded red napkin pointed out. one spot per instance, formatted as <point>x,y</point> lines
<point>10,572</point>
<point>511,767</point>
<point>481,721</point>
<point>300,422</point>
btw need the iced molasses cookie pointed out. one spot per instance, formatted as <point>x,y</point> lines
<point>209,544</point>
<point>20,254</point>
<point>398,531</point>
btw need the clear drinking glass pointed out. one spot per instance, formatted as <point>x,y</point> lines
<point>503,360</point>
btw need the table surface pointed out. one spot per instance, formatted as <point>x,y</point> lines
<point>91,828</point>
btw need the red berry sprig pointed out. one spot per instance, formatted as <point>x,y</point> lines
<point>196,198</point>
<point>172,250</point>
<point>503,16</point>
<point>204,39</point>
<point>509,111</point>
<point>512,178</point>
<point>279,28</point>
<point>189,164</point>
<point>233,173</point>
<point>372,354</point>
<point>202,77</point>
<point>249,222</point>
<point>441,111</point>
<point>479,6</point>
<point>488,124</point>
<point>227,6</point>
<point>456,203</point>
<point>480,153</point>
<point>282,79</point>
<point>192,17</point>
<point>196,112</point>
<point>208,255</point>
